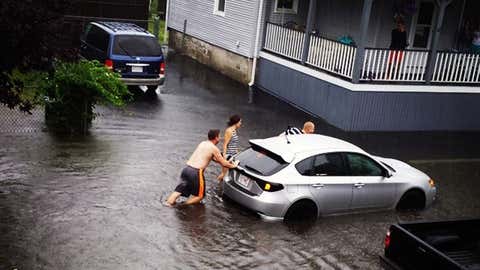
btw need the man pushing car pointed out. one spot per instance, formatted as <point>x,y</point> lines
<point>192,181</point>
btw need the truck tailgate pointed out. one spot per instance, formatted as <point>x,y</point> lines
<point>433,245</point>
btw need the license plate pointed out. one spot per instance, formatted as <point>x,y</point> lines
<point>243,180</point>
<point>137,69</point>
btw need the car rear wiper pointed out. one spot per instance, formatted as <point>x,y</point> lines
<point>125,50</point>
<point>253,170</point>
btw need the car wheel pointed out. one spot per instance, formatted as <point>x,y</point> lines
<point>412,200</point>
<point>302,210</point>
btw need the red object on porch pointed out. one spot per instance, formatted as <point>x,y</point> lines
<point>395,57</point>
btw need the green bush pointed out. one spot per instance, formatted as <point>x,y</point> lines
<point>71,91</point>
<point>26,86</point>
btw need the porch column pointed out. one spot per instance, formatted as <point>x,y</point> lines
<point>268,11</point>
<point>360,55</point>
<point>442,4</point>
<point>312,9</point>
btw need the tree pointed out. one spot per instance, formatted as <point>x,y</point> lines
<point>30,31</point>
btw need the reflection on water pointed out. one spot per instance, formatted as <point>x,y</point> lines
<point>96,201</point>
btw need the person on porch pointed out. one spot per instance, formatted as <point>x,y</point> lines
<point>399,36</point>
<point>397,45</point>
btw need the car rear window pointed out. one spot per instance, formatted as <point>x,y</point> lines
<point>260,161</point>
<point>136,46</point>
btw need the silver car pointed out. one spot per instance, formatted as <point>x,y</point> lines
<point>311,175</point>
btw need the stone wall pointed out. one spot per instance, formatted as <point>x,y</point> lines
<point>230,64</point>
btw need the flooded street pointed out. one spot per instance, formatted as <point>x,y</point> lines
<point>95,202</point>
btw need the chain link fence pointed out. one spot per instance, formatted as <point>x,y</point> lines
<point>15,121</point>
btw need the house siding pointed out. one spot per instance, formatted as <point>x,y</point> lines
<point>238,25</point>
<point>367,110</point>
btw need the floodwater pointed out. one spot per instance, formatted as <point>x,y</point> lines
<point>95,202</point>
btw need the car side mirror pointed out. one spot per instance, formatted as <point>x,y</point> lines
<point>387,173</point>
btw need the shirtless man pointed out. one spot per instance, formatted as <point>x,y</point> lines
<point>192,180</point>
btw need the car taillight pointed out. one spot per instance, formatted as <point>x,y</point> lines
<point>387,240</point>
<point>162,68</point>
<point>269,186</point>
<point>109,64</point>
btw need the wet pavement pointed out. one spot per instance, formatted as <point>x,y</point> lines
<point>95,202</point>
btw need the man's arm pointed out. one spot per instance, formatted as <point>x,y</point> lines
<point>218,158</point>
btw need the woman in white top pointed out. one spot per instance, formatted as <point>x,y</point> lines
<point>230,141</point>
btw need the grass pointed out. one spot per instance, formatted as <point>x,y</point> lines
<point>161,30</point>
<point>161,27</point>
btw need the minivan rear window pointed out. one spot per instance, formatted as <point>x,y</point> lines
<point>260,161</point>
<point>136,46</point>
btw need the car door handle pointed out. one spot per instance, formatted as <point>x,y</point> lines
<point>318,185</point>
<point>359,185</point>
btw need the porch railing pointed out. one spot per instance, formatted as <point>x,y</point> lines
<point>331,55</point>
<point>453,67</point>
<point>284,41</point>
<point>392,65</point>
<point>379,65</point>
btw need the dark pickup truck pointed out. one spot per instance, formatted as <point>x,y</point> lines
<point>438,245</point>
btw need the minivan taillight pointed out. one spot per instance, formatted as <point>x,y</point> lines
<point>109,64</point>
<point>387,240</point>
<point>162,68</point>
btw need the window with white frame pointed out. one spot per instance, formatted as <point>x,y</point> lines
<point>286,6</point>
<point>219,7</point>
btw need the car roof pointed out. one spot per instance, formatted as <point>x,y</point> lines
<point>304,143</point>
<point>122,28</point>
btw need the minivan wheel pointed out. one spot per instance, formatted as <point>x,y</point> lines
<point>412,200</point>
<point>302,210</point>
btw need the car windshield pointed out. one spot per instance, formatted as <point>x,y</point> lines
<point>260,161</point>
<point>136,46</point>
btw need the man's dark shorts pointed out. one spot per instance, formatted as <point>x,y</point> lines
<point>192,182</point>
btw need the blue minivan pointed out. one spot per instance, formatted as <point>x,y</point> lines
<point>125,48</point>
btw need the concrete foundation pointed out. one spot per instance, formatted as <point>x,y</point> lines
<point>230,64</point>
